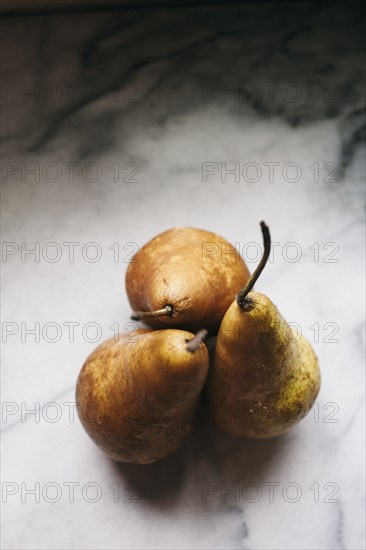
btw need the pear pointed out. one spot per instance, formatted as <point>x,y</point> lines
<point>264,377</point>
<point>185,278</point>
<point>136,395</point>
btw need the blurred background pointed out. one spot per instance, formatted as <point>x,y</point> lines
<point>119,121</point>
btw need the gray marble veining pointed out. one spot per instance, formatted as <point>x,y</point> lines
<point>118,125</point>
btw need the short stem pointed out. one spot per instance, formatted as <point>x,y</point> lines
<point>167,310</point>
<point>241,298</point>
<point>195,343</point>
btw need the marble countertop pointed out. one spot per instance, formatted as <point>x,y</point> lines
<point>117,126</point>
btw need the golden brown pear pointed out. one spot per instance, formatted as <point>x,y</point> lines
<point>264,377</point>
<point>185,278</point>
<point>136,395</point>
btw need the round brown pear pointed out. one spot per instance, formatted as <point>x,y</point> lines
<point>264,377</point>
<point>185,278</point>
<point>136,395</point>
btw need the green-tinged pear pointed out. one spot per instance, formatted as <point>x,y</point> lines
<point>264,376</point>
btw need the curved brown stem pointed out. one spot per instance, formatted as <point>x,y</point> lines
<point>195,343</point>
<point>137,315</point>
<point>241,298</point>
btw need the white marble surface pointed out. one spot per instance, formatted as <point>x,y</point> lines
<point>165,60</point>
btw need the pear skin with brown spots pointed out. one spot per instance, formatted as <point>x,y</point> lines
<point>264,377</point>
<point>193,271</point>
<point>136,395</point>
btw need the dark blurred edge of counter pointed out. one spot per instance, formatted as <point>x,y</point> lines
<point>19,7</point>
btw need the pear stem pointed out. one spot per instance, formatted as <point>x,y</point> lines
<point>195,343</point>
<point>241,298</point>
<point>136,315</point>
